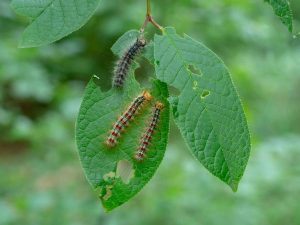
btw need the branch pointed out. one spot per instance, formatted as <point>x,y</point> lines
<point>149,19</point>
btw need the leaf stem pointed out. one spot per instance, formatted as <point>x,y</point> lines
<point>149,19</point>
<point>148,7</point>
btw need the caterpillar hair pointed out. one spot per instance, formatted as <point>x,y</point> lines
<point>147,136</point>
<point>126,117</point>
<point>123,65</point>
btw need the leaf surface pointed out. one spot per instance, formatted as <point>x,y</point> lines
<point>113,172</point>
<point>52,20</point>
<point>208,110</point>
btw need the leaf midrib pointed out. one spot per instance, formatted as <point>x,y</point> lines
<point>43,11</point>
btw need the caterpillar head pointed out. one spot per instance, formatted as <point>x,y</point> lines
<point>159,105</point>
<point>142,41</point>
<point>147,95</point>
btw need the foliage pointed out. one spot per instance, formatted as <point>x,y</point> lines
<point>207,111</point>
<point>98,112</point>
<point>51,20</point>
<point>40,176</point>
<point>283,10</point>
<point>103,165</point>
<point>224,152</point>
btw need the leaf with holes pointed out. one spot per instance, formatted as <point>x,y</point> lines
<point>283,10</point>
<point>113,172</point>
<point>207,111</point>
<point>52,20</point>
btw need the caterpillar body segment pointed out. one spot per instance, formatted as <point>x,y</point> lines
<point>147,136</point>
<point>124,120</point>
<point>123,65</point>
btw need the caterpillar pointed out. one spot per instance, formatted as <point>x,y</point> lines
<point>124,119</point>
<point>147,136</point>
<point>123,65</point>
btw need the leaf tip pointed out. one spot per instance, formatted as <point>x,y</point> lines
<point>96,77</point>
<point>24,43</point>
<point>234,185</point>
<point>21,44</point>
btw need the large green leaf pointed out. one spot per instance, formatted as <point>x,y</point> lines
<point>52,19</point>
<point>114,172</point>
<point>207,111</point>
<point>283,10</point>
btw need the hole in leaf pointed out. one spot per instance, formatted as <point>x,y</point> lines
<point>107,185</point>
<point>144,71</point>
<point>157,62</point>
<point>108,192</point>
<point>205,93</point>
<point>195,85</point>
<point>125,171</point>
<point>193,69</point>
<point>174,103</point>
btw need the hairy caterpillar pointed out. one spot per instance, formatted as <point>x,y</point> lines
<point>124,119</point>
<point>123,65</point>
<point>146,138</point>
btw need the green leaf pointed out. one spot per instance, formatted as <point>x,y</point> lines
<point>124,41</point>
<point>207,111</point>
<point>113,172</point>
<point>104,166</point>
<point>52,19</point>
<point>127,39</point>
<point>283,10</point>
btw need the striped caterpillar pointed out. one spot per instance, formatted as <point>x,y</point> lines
<point>125,118</point>
<point>147,136</point>
<point>123,65</point>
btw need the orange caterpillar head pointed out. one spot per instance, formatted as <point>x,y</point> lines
<point>147,95</point>
<point>159,105</point>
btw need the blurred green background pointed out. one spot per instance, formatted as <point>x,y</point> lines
<point>41,181</point>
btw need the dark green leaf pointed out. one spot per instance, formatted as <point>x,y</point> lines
<point>283,10</point>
